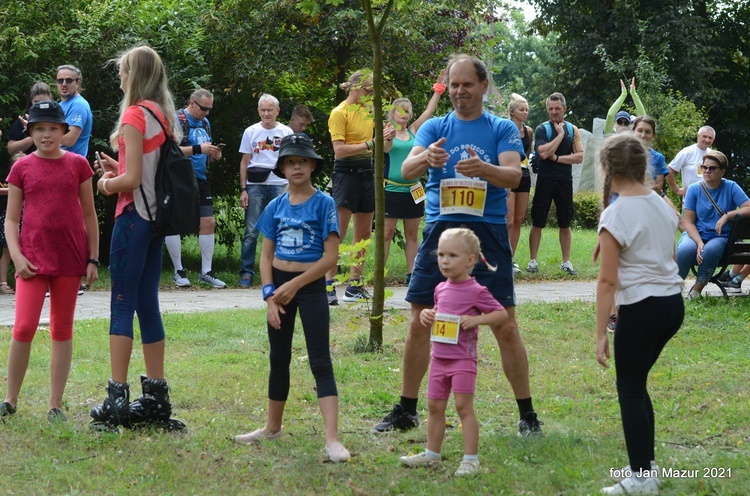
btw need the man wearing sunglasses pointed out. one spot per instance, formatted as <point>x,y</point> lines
<point>196,144</point>
<point>688,160</point>
<point>77,110</point>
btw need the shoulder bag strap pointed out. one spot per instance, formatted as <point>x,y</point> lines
<point>711,198</point>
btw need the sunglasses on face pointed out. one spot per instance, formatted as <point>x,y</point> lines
<point>623,122</point>
<point>66,80</point>
<point>204,109</point>
<point>709,168</point>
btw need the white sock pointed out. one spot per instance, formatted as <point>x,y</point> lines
<point>471,458</point>
<point>206,243</point>
<point>174,247</point>
<point>431,454</point>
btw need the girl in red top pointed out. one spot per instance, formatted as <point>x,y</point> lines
<point>136,251</point>
<point>59,244</point>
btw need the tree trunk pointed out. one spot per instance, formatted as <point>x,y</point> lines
<point>378,295</point>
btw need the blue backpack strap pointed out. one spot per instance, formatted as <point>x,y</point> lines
<point>548,128</point>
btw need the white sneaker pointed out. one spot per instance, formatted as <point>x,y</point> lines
<point>626,470</point>
<point>180,279</point>
<point>533,266</point>
<point>419,460</point>
<point>210,278</point>
<point>468,467</point>
<point>634,486</point>
<point>516,268</point>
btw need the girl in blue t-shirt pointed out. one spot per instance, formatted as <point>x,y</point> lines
<point>301,243</point>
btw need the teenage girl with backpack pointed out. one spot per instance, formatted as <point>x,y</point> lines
<point>136,251</point>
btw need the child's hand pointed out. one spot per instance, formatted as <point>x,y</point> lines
<point>602,350</point>
<point>92,274</point>
<point>101,183</point>
<point>109,164</point>
<point>273,313</point>
<point>469,321</point>
<point>24,268</point>
<point>427,317</point>
<point>285,293</point>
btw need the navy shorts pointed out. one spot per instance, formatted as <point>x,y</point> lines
<point>495,247</point>
<point>546,191</point>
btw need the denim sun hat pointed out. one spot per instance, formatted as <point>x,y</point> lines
<point>298,145</point>
<point>47,111</point>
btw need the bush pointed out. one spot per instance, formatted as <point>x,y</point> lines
<point>230,221</point>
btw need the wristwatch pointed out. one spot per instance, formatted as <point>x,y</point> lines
<point>93,261</point>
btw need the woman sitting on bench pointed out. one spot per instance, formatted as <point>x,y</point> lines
<point>710,206</point>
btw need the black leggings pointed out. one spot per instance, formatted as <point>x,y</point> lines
<point>312,302</point>
<point>642,331</point>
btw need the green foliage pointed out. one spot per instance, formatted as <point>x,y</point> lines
<point>587,205</point>
<point>230,222</point>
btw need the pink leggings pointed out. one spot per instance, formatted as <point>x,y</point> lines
<point>30,300</point>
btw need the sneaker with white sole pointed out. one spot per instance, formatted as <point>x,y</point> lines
<point>733,287</point>
<point>634,485</point>
<point>180,279</point>
<point>419,460</point>
<point>625,471</point>
<point>468,467</point>
<point>210,278</point>
<point>333,300</point>
<point>516,268</point>
<point>337,453</point>
<point>568,267</point>
<point>692,295</point>
<point>355,293</point>
<point>533,266</point>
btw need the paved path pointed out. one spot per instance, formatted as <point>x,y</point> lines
<point>95,304</point>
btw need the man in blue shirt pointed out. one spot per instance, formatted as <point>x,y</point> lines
<point>77,110</point>
<point>471,158</point>
<point>196,144</point>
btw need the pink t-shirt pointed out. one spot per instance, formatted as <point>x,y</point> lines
<point>53,237</point>
<point>153,137</point>
<point>462,298</point>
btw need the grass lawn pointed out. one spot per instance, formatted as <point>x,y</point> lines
<point>217,366</point>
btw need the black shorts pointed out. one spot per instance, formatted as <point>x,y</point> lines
<point>525,185</point>
<point>402,206</point>
<point>207,201</point>
<point>495,247</point>
<point>549,190</point>
<point>354,185</point>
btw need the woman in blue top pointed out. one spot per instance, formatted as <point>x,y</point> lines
<point>706,229</point>
<point>301,243</point>
<point>400,202</point>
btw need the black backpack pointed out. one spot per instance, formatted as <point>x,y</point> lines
<point>176,188</point>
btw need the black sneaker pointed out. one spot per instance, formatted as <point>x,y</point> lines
<point>56,415</point>
<point>331,294</point>
<point>356,293</point>
<point>6,410</point>
<point>725,277</point>
<point>398,419</point>
<point>529,425</point>
<point>732,286</point>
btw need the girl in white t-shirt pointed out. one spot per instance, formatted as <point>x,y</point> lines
<point>639,274</point>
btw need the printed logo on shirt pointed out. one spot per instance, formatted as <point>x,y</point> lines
<point>269,145</point>
<point>297,236</point>
<point>463,154</point>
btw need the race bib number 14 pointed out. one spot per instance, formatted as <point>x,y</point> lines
<point>445,328</point>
